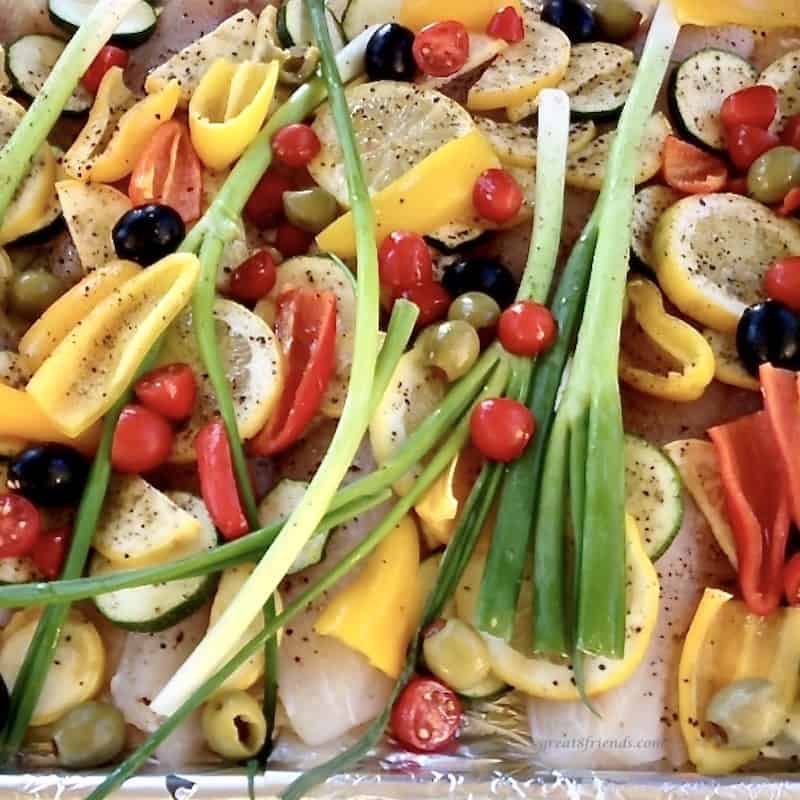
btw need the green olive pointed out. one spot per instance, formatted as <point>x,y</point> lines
<point>456,654</point>
<point>34,291</point>
<point>749,711</point>
<point>234,725</point>
<point>774,174</point>
<point>451,346</point>
<point>90,735</point>
<point>617,19</point>
<point>310,209</point>
<point>476,308</point>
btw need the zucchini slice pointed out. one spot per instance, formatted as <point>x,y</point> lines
<point>362,14</point>
<point>653,494</point>
<point>784,76</point>
<point>31,60</point>
<point>294,27</point>
<point>137,27</point>
<point>149,609</point>
<point>648,206</point>
<point>5,82</point>
<point>603,97</point>
<point>698,88</point>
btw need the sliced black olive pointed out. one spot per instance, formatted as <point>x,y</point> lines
<point>574,18</point>
<point>148,233</point>
<point>769,332</point>
<point>480,275</point>
<point>390,55</point>
<point>49,475</point>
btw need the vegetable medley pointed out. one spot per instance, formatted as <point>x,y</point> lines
<point>292,441</point>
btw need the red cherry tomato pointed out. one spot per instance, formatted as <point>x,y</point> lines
<point>50,551</point>
<point>20,526</point>
<point>170,391</point>
<point>169,172</point>
<point>108,57</point>
<point>507,24</point>
<point>296,145</point>
<point>782,282</point>
<point>791,203</point>
<point>441,49</point>
<point>253,278</point>
<point>756,106</point>
<point>265,205</point>
<point>426,716</point>
<point>527,329</point>
<point>501,428</point>
<point>791,132</point>
<point>142,440</point>
<point>292,241</point>
<point>432,300</point>
<point>496,196</point>
<point>791,580</point>
<point>691,170</point>
<point>746,143</point>
<point>404,260</point>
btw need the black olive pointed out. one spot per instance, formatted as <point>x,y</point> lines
<point>390,55</point>
<point>574,18</point>
<point>49,475</point>
<point>769,332</point>
<point>480,275</point>
<point>148,233</point>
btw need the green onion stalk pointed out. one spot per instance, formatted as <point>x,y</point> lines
<point>453,444</point>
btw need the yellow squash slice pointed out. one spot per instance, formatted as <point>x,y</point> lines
<point>728,367</point>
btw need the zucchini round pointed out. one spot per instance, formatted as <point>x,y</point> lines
<point>294,27</point>
<point>49,225</point>
<point>363,14</point>
<point>135,29</point>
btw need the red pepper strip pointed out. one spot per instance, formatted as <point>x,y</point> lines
<point>791,580</point>
<point>306,328</point>
<point>757,504</point>
<point>217,480</point>
<point>691,170</point>
<point>169,172</point>
<point>791,203</point>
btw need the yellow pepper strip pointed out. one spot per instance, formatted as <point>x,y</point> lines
<point>377,613</point>
<point>229,107</point>
<point>417,200</point>
<point>473,14</point>
<point>60,318</point>
<point>673,336</point>
<point>727,643</point>
<point>750,13</point>
<point>118,129</point>
<point>90,369</point>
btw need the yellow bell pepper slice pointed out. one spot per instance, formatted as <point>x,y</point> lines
<point>473,14</point>
<point>60,318</point>
<point>417,201</point>
<point>378,613</point>
<point>727,643</point>
<point>679,340</point>
<point>750,13</point>
<point>229,107</point>
<point>90,369</point>
<point>118,129</point>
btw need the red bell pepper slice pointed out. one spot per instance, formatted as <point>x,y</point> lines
<point>791,580</point>
<point>791,203</point>
<point>691,170</point>
<point>218,480</point>
<point>169,172</point>
<point>757,503</point>
<point>306,328</point>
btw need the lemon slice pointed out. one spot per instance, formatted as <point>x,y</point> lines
<point>711,253</point>
<point>553,679</point>
<point>253,366</point>
<point>396,126</point>
<point>728,367</point>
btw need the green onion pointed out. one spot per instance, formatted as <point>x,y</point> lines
<point>301,524</point>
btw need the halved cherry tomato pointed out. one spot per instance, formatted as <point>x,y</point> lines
<point>497,196</point>
<point>432,300</point>
<point>170,391</point>
<point>791,580</point>
<point>306,328</point>
<point>755,105</point>
<point>265,204</point>
<point>527,329</point>
<point>426,716</point>
<point>296,145</point>
<point>441,49</point>
<point>791,203</point>
<point>218,480</point>
<point>404,260</point>
<point>507,24</point>
<point>691,170</point>
<point>501,428</point>
<point>108,57</point>
<point>292,241</point>
<point>51,550</point>
<point>746,143</point>
<point>20,526</point>
<point>169,172</point>
<point>791,132</point>
<point>142,440</point>
<point>782,282</point>
<point>253,278</point>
